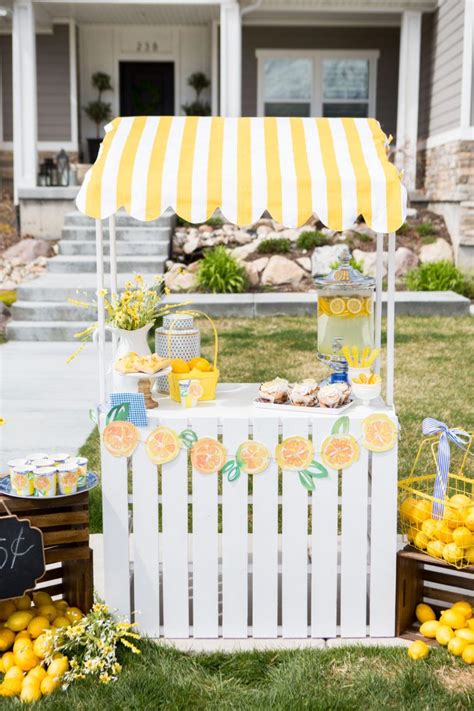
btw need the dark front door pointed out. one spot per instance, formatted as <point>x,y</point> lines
<point>146,88</point>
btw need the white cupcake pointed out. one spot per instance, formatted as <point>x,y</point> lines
<point>305,393</point>
<point>274,390</point>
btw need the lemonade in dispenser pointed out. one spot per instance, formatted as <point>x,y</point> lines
<point>345,312</point>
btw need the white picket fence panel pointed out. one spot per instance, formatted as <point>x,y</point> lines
<point>198,556</point>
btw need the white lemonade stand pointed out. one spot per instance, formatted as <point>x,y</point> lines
<point>283,562</point>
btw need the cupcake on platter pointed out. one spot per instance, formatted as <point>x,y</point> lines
<point>275,391</point>
<point>304,393</point>
<point>334,395</point>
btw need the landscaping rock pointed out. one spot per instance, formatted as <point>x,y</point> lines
<point>263,230</point>
<point>291,234</point>
<point>369,261</point>
<point>252,274</point>
<point>27,250</point>
<point>405,259</point>
<point>362,228</point>
<point>180,279</point>
<point>5,314</point>
<point>194,266</point>
<point>243,252</point>
<point>305,263</point>
<point>281,270</point>
<point>205,228</point>
<point>261,263</point>
<point>435,252</point>
<point>242,237</point>
<point>323,257</point>
<point>191,245</point>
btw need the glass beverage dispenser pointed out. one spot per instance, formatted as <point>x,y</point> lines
<point>345,312</point>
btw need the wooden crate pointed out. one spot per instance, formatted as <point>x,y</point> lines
<point>64,523</point>
<point>421,578</point>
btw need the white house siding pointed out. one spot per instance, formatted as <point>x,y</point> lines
<point>54,113</point>
<point>441,68</point>
<point>102,47</point>
<point>384,39</point>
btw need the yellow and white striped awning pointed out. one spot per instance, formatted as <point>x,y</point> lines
<point>293,167</point>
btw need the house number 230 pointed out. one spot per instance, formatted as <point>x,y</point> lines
<point>147,46</point>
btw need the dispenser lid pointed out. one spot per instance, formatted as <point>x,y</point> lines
<point>344,275</point>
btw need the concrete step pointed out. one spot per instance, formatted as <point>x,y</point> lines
<point>51,311</point>
<point>121,220</point>
<point>61,287</point>
<point>135,248</point>
<point>68,265</point>
<point>45,331</point>
<point>123,234</point>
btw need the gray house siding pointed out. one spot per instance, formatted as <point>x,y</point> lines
<point>386,40</point>
<point>52,58</point>
<point>441,68</point>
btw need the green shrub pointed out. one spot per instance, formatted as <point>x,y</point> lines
<point>429,239</point>
<point>364,237</point>
<point>403,229</point>
<point>220,273</point>
<point>277,245</point>
<point>426,229</point>
<point>438,276</point>
<point>8,297</point>
<point>311,239</point>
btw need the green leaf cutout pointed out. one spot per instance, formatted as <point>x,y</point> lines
<point>188,438</point>
<point>231,469</point>
<point>316,470</point>
<point>341,425</point>
<point>93,416</point>
<point>118,412</point>
<point>306,480</point>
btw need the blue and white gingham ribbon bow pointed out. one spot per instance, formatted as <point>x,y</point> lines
<point>460,438</point>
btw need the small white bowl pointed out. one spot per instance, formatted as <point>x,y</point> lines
<point>355,372</point>
<point>366,392</point>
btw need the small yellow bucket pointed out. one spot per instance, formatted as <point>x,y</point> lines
<point>208,380</point>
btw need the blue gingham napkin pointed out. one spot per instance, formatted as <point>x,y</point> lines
<point>137,412</point>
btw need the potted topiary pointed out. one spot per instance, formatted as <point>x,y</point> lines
<point>199,82</point>
<point>98,111</point>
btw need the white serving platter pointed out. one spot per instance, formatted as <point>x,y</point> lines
<point>147,376</point>
<point>288,407</point>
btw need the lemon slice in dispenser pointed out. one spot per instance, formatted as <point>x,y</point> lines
<point>354,306</point>
<point>336,306</point>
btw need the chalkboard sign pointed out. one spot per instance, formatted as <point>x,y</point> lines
<point>21,556</point>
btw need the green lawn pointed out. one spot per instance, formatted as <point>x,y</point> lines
<point>434,362</point>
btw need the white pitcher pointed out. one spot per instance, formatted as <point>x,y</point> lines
<point>128,341</point>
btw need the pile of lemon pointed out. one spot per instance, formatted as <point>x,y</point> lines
<point>24,645</point>
<point>451,538</point>
<point>179,365</point>
<point>454,630</point>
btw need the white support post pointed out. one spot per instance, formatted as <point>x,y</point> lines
<point>390,317</point>
<point>378,298</point>
<point>215,68</point>
<point>408,96</point>
<point>113,270</point>
<point>25,120</point>
<point>99,246</point>
<point>230,58</point>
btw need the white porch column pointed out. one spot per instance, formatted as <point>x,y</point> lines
<point>408,95</point>
<point>230,58</point>
<point>25,118</point>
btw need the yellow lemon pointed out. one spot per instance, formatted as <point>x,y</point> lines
<point>178,365</point>
<point>443,533</point>
<point>26,659</point>
<point>418,650</point>
<point>19,620</point>
<point>74,614</point>
<point>469,555</point>
<point>14,673</point>
<point>38,626</point>
<point>468,517</point>
<point>61,605</point>
<point>424,613</point>
<point>429,628</point>
<point>11,687</point>
<point>453,618</point>
<point>7,637</point>
<point>444,634</point>
<point>43,646</point>
<point>58,667</point>
<point>30,692</point>
<point>22,635</point>
<point>463,606</point>
<point>8,661</point>
<point>7,608</point>
<point>42,598</point>
<point>429,527</point>
<point>48,611</point>
<point>435,549</point>
<point>37,673</point>
<point>48,685</point>
<point>200,364</point>
<point>452,553</point>
<point>23,602</point>
<point>452,516</point>
<point>470,624</point>
<point>421,540</point>
<point>421,511</point>
<point>460,500</point>
<point>468,654</point>
<point>61,621</point>
<point>456,646</point>
<point>466,634</point>
<point>406,508</point>
<point>463,537</point>
<point>411,534</point>
<point>21,643</point>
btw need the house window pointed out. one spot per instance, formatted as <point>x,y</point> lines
<point>317,83</point>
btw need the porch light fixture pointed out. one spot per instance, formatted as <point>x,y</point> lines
<point>62,162</point>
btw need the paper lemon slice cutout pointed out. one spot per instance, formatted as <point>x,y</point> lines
<point>120,438</point>
<point>162,445</point>
<point>379,432</point>
<point>294,453</point>
<point>339,451</point>
<point>195,389</point>
<point>253,457</point>
<point>208,455</point>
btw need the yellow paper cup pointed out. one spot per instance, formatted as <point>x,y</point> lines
<point>21,480</point>
<point>68,477</point>
<point>44,480</point>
